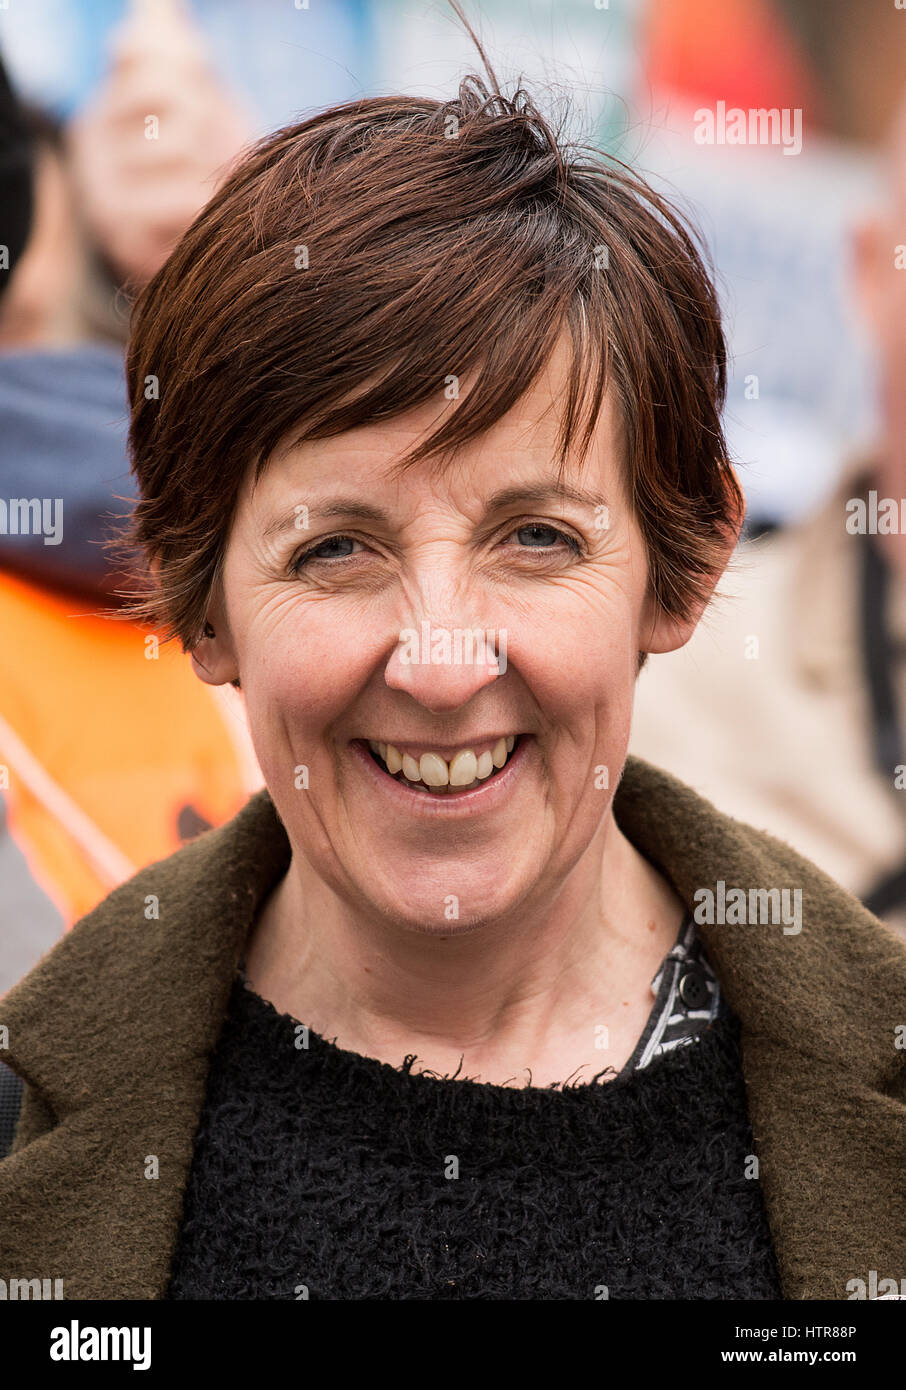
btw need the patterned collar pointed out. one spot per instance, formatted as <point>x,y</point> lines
<point>687,1000</point>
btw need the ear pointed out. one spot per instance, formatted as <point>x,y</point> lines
<point>213,656</point>
<point>659,632</point>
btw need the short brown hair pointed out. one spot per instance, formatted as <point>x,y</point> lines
<point>440,237</point>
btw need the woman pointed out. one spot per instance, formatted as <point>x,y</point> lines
<point>426,423</point>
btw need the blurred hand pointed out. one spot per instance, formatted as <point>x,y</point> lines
<point>159,135</point>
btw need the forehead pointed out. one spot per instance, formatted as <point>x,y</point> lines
<point>519,448</point>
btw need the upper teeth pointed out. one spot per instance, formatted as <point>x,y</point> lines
<point>464,768</point>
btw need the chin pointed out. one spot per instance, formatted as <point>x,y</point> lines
<point>437,912</point>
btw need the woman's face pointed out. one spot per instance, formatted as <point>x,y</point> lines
<point>358,610</point>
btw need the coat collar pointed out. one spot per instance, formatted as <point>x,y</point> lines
<point>114,1029</point>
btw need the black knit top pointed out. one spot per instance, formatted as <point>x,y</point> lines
<point>321,1173</point>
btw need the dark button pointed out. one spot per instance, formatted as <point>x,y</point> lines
<point>693,988</point>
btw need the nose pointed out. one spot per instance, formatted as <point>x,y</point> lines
<point>442,667</point>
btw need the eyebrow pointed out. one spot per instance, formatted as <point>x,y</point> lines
<point>354,508</point>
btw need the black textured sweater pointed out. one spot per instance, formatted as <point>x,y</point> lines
<point>321,1173</point>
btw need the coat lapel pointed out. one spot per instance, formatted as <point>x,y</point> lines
<point>824,1068</point>
<point>114,1030</point>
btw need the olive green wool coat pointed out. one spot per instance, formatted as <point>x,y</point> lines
<point>113,1032</point>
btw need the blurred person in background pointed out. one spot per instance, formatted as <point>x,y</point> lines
<point>799,401</point>
<point>276,58</point>
<point>787,708</point>
<point>856,52</point>
<point>92,783</point>
<point>154,139</point>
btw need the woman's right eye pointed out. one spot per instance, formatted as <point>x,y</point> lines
<point>331,548</point>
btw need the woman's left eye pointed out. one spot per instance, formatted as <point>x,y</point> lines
<point>538,535</point>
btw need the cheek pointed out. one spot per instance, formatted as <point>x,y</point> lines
<point>580,665</point>
<point>301,666</point>
<point>594,685</point>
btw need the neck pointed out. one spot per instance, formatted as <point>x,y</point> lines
<point>584,951</point>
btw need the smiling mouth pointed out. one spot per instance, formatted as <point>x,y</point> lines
<point>445,779</point>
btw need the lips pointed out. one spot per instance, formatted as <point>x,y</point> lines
<point>468,768</point>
